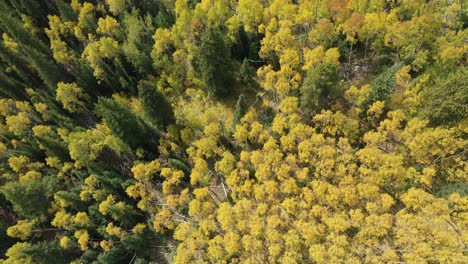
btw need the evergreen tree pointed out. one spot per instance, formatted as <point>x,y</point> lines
<point>35,9</point>
<point>53,147</point>
<point>9,87</point>
<point>246,74</point>
<point>65,10</point>
<point>381,171</point>
<point>138,42</point>
<point>11,24</point>
<point>382,86</point>
<point>47,70</point>
<point>446,101</point>
<point>241,109</point>
<point>48,252</point>
<point>117,254</point>
<point>21,72</point>
<point>319,83</point>
<point>155,105</point>
<point>164,19</point>
<point>212,61</point>
<point>24,196</point>
<point>126,125</point>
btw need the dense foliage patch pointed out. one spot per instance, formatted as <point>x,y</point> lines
<point>219,131</point>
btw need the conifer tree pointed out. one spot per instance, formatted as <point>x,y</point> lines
<point>24,196</point>
<point>47,70</point>
<point>446,101</point>
<point>9,87</point>
<point>319,83</point>
<point>213,64</point>
<point>65,10</point>
<point>10,23</point>
<point>155,105</point>
<point>21,71</point>
<point>126,125</point>
<point>245,71</point>
<point>48,252</point>
<point>241,109</point>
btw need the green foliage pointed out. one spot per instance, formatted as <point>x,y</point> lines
<point>246,73</point>
<point>65,10</point>
<point>24,196</point>
<point>118,142</point>
<point>320,85</point>
<point>156,106</point>
<point>382,86</point>
<point>446,100</point>
<point>11,23</point>
<point>48,252</point>
<point>117,254</point>
<point>137,45</point>
<point>46,69</point>
<point>11,88</point>
<point>267,116</point>
<point>177,164</point>
<point>53,147</point>
<point>126,125</point>
<point>455,187</point>
<point>241,109</point>
<point>6,240</point>
<point>212,62</point>
<point>164,18</point>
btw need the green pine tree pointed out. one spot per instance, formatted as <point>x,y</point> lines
<point>320,83</point>
<point>49,252</point>
<point>47,70</point>
<point>126,125</point>
<point>9,87</point>
<point>11,24</point>
<point>245,71</point>
<point>155,104</point>
<point>241,109</point>
<point>24,196</point>
<point>213,64</point>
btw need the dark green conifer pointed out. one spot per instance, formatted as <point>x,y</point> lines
<point>155,104</point>
<point>13,26</point>
<point>241,109</point>
<point>319,83</point>
<point>126,125</point>
<point>47,70</point>
<point>212,62</point>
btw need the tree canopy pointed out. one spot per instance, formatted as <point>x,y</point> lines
<point>248,131</point>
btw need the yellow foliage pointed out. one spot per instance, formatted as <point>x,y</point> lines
<point>71,96</point>
<point>107,26</point>
<point>18,164</point>
<point>62,219</point>
<point>30,176</point>
<point>104,205</point>
<point>138,229</point>
<point>363,180</point>
<point>106,245</point>
<point>83,239</point>
<point>9,43</point>
<point>16,256</point>
<point>65,242</point>
<point>113,230</point>
<point>19,123</point>
<point>144,172</point>
<point>22,229</point>
<point>81,219</point>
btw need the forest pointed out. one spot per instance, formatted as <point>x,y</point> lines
<point>233,131</point>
